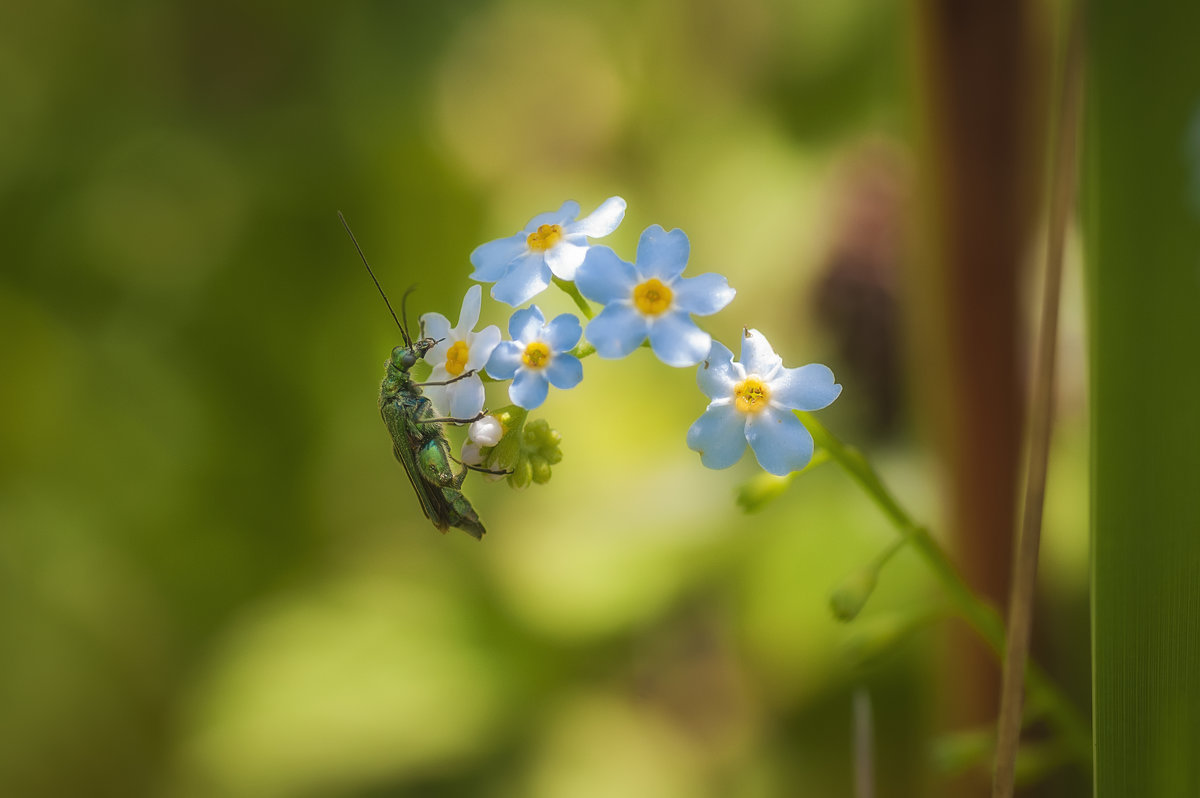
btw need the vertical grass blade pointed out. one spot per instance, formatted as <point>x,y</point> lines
<point>1143,241</point>
<point>1063,180</point>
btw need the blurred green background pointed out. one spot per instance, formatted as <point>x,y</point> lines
<point>214,578</point>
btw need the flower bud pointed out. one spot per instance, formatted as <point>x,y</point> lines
<point>522,474</point>
<point>851,596</point>
<point>540,469</point>
<point>762,489</point>
<point>486,432</point>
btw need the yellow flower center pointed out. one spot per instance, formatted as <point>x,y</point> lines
<point>456,357</point>
<point>751,396</point>
<point>652,298</point>
<point>536,355</point>
<point>544,237</point>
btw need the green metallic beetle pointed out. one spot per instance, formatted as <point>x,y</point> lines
<point>418,440</point>
<point>420,444</point>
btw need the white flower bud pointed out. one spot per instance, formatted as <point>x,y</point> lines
<point>471,454</point>
<point>487,431</point>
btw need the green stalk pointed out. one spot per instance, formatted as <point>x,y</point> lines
<point>977,613</point>
<point>570,290</point>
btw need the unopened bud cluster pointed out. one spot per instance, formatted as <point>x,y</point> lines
<point>504,443</point>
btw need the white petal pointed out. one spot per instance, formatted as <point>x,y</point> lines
<point>480,346</point>
<point>466,397</point>
<point>439,397</point>
<point>758,357</point>
<point>435,325</point>
<point>601,221</point>
<point>469,315</point>
<point>564,258</point>
<point>809,387</point>
<point>718,374</point>
<point>562,216</point>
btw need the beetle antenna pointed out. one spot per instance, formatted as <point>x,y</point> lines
<point>403,329</point>
<point>404,313</point>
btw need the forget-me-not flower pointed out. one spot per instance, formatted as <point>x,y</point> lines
<point>457,351</point>
<point>651,299</point>
<point>752,403</point>
<point>553,243</point>
<point>537,356</point>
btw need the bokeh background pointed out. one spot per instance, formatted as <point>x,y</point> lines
<point>214,578</point>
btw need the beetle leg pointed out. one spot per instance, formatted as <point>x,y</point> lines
<point>450,381</point>
<point>448,420</point>
<point>481,469</point>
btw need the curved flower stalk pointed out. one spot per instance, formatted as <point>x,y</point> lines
<point>552,244</point>
<point>650,299</point>
<point>537,356</point>
<point>752,404</point>
<point>458,351</point>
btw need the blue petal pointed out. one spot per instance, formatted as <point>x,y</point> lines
<point>677,340</point>
<point>779,440</point>
<point>567,213</point>
<point>528,389</point>
<point>526,324</point>
<point>505,360</point>
<point>563,333</point>
<point>564,371</point>
<point>809,387</point>
<point>718,375</point>
<point>719,435</point>
<point>491,260</point>
<point>466,397</point>
<point>661,254</point>
<point>527,278</point>
<point>601,221</point>
<point>617,331</point>
<point>604,277</point>
<point>757,355</point>
<point>704,294</point>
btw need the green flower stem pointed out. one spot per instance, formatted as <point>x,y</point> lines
<point>570,290</point>
<point>1044,695</point>
<point>584,349</point>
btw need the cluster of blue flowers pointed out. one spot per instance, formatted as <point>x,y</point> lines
<point>751,400</point>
